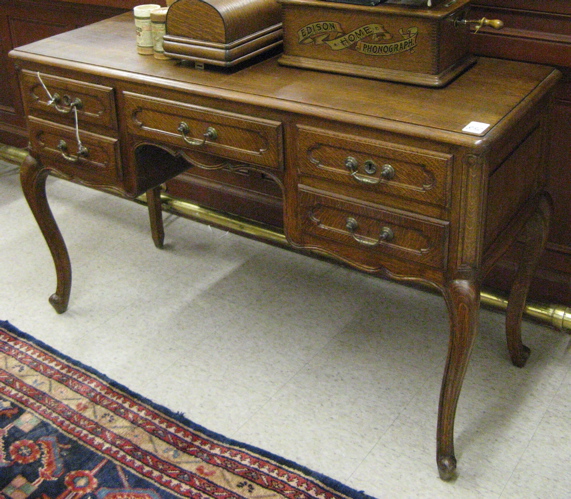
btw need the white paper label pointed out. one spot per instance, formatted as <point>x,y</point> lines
<point>476,127</point>
<point>144,33</point>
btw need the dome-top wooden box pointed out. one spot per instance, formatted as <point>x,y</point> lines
<point>222,32</point>
<point>419,45</point>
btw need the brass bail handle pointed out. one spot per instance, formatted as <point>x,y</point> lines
<point>387,171</point>
<point>479,23</point>
<point>184,130</point>
<point>82,152</point>
<point>386,234</point>
<point>68,103</point>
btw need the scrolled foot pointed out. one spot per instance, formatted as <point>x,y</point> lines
<point>519,357</point>
<point>159,241</point>
<point>447,467</point>
<point>59,304</point>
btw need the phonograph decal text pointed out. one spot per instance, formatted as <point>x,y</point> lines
<point>370,39</point>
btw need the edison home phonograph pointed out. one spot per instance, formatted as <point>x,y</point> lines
<point>422,42</point>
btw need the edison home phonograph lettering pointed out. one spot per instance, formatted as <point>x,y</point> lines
<point>370,39</point>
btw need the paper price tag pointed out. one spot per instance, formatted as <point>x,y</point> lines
<point>476,127</point>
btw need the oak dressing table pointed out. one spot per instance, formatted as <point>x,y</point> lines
<point>431,185</point>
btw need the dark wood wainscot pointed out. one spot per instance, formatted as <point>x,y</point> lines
<point>539,31</point>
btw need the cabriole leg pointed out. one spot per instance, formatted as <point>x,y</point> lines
<point>33,179</point>
<point>535,234</point>
<point>156,216</point>
<point>463,300</point>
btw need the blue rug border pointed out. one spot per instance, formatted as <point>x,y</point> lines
<point>180,418</point>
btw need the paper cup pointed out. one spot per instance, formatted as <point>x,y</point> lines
<point>143,27</point>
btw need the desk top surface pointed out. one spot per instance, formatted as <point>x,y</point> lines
<point>486,93</point>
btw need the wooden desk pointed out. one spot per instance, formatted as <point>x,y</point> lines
<point>382,176</point>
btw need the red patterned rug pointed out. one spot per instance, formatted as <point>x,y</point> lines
<point>68,432</point>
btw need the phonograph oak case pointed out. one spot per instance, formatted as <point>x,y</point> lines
<point>222,33</point>
<point>419,42</point>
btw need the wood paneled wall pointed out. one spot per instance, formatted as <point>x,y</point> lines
<point>539,31</point>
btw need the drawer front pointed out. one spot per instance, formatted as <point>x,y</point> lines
<point>375,167</point>
<point>95,103</point>
<point>246,139</point>
<point>373,233</point>
<point>58,145</point>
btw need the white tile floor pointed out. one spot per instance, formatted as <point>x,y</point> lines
<point>325,366</point>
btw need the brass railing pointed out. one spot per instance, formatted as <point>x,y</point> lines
<point>554,315</point>
<point>12,154</point>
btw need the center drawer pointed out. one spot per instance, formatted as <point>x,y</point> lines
<point>243,138</point>
<point>375,167</point>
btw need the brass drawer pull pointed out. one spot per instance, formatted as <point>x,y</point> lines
<point>386,234</point>
<point>82,152</point>
<point>184,129</point>
<point>387,171</point>
<point>69,104</point>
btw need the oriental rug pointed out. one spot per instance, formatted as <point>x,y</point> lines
<point>68,432</point>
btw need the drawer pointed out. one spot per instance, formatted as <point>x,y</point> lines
<point>56,143</point>
<point>95,103</point>
<point>375,166</point>
<point>373,234</point>
<point>243,138</point>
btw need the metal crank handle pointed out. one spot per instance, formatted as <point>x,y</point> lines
<point>184,129</point>
<point>480,23</point>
